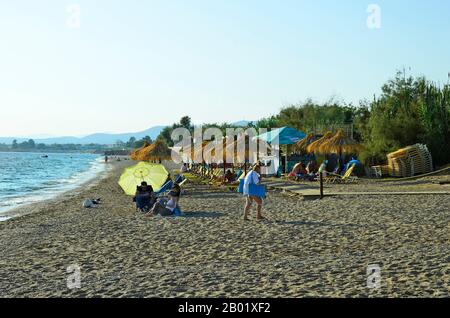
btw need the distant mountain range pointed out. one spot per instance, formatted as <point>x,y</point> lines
<point>243,123</point>
<point>99,138</point>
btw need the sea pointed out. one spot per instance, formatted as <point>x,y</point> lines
<point>27,178</point>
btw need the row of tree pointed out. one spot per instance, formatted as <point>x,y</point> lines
<point>133,143</point>
<point>31,145</point>
<point>410,110</point>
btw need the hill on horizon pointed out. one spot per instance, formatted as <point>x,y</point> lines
<point>97,138</point>
<point>100,138</point>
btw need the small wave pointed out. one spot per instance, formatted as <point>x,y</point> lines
<point>11,197</point>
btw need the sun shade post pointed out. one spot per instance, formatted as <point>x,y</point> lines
<point>321,185</point>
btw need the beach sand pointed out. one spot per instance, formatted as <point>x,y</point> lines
<point>304,249</point>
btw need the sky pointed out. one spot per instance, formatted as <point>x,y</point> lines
<point>125,66</point>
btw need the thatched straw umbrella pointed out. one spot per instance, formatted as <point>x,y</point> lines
<point>135,154</point>
<point>314,146</point>
<point>304,143</point>
<point>339,144</point>
<point>228,147</point>
<point>198,150</point>
<point>157,151</point>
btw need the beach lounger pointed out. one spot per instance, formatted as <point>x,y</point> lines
<point>346,178</point>
<point>216,173</point>
<point>183,182</point>
<point>179,178</point>
<point>165,188</point>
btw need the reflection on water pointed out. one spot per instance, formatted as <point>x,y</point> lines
<point>30,177</point>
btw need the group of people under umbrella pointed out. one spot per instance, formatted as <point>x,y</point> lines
<point>152,189</point>
<point>337,145</point>
<point>142,180</point>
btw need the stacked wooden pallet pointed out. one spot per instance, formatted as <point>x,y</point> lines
<point>385,170</point>
<point>410,161</point>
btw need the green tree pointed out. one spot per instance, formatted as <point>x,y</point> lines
<point>186,122</point>
<point>166,136</point>
<point>131,141</point>
<point>409,111</point>
<point>31,144</point>
<point>269,122</point>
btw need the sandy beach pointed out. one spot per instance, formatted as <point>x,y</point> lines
<point>304,248</point>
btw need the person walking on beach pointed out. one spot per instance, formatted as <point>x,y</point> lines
<point>253,177</point>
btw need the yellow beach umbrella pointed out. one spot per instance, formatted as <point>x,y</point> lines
<point>152,173</point>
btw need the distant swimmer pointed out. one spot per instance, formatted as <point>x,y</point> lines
<point>45,156</point>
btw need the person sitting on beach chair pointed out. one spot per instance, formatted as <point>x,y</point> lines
<point>170,206</point>
<point>144,197</point>
<point>311,167</point>
<point>298,172</point>
<point>229,177</point>
<point>346,178</point>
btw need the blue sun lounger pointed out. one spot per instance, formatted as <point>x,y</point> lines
<point>165,188</point>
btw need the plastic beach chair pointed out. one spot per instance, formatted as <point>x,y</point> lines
<point>165,188</point>
<point>178,178</point>
<point>346,178</point>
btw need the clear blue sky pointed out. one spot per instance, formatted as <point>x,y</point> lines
<point>134,64</point>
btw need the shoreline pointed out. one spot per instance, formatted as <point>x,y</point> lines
<point>35,207</point>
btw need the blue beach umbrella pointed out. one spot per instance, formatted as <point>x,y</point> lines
<point>282,136</point>
<point>285,135</point>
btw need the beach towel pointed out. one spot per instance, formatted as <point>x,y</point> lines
<point>256,190</point>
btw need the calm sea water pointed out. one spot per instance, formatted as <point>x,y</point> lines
<point>28,177</point>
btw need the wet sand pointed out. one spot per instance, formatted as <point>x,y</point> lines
<point>303,249</point>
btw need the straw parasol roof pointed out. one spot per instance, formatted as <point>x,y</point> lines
<point>228,146</point>
<point>304,143</point>
<point>134,155</point>
<point>339,144</point>
<point>314,146</point>
<point>248,154</point>
<point>156,151</point>
<point>198,150</point>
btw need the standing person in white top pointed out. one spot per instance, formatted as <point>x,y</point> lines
<point>253,177</point>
